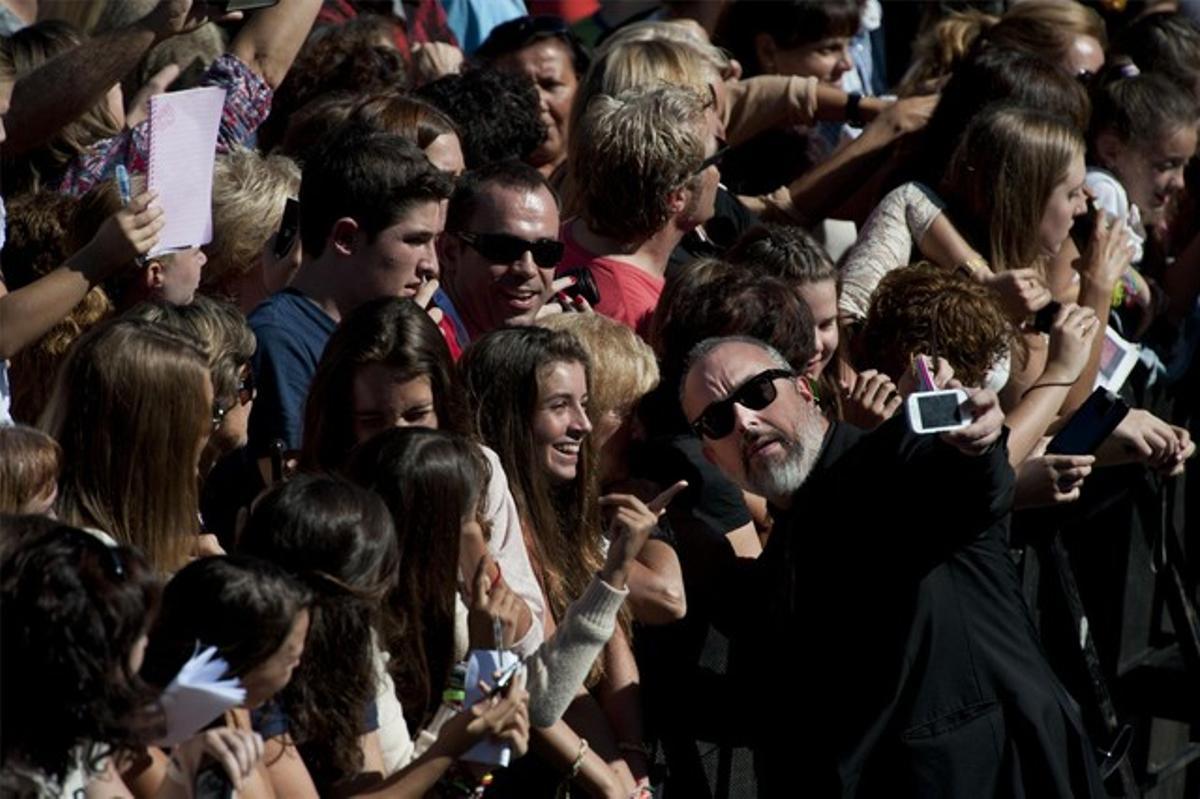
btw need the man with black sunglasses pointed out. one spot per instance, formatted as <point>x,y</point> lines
<point>884,599</point>
<point>498,253</point>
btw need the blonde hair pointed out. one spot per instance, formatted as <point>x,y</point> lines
<point>630,152</point>
<point>670,31</point>
<point>1000,178</point>
<point>938,50</point>
<point>29,464</point>
<point>639,62</point>
<point>249,192</point>
<point>218,330</point>
<point>623,366</point>
<point>130,413</point>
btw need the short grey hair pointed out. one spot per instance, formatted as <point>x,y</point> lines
<point>706,346</point>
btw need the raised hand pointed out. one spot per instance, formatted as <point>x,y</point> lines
<point>869,399</point>
<point>139,110</point>
<point>492,603</point>
<point>1071,336</point>
<point>1021,291</point>
<point>632,523</point>
<point>988,422</point>
<point>126,235</point>
<point>1108,254</point>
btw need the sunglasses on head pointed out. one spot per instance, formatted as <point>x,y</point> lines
<point>517,33</point>
<point>245,393</point>
<point>755,394</point>
<point>505,249</point>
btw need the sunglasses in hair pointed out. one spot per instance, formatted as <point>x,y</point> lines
<point>757,393</point>
<point>245,393</point>
<point>505,249</point>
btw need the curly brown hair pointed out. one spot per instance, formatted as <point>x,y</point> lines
<point>925,309</point>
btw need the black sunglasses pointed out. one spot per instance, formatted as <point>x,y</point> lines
<point>505,249</point>
<point>715,159</point>
<point>755,394</point>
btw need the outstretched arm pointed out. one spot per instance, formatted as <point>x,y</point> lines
<point>269,41</point>
<point>29,312</point>
<point>56,93</point>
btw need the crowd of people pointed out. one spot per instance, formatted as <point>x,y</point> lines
<point>591,333</point>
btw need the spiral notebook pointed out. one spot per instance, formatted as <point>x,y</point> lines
<point>183,145</point>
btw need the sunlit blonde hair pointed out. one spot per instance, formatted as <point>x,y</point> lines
<point>623,366</point>
<point>1001,176</point>
<point>130,411</point>
<point>249,192</point>
<point>630,152</point>
<point>637,62</point>
<point>669,31</point>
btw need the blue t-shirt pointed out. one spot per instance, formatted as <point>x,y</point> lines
<point>292,332</point>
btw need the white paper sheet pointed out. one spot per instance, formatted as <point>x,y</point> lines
<point>183,145</point>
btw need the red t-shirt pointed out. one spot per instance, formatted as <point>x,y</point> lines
<point>627,294</point>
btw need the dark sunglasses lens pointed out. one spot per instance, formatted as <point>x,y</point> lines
<point>758,393</point>
<point>717,421</point>
<point>501,248</point>
<point>547,254</point>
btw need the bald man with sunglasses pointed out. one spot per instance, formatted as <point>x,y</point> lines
<point>885,603</point>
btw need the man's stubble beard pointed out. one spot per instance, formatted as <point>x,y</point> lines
<point>781,478</point>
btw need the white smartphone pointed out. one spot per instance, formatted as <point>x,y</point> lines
<point>937,411</point>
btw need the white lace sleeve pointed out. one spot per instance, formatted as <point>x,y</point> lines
<point>885,243</point>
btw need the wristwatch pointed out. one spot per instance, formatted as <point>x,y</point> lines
<point>853,112</point>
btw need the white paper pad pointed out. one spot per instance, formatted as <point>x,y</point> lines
<point>183,145</point>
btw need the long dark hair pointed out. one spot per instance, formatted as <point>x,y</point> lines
<point>388,331</point>
<point>243,606</point>
<point>71,610</point>
<point>502,371</point>
<point>338,539</point>
<point>431,481</point>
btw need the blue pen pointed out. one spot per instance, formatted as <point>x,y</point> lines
<point>123,184</point>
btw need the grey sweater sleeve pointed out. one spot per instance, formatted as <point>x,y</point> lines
<point>559,666</point>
